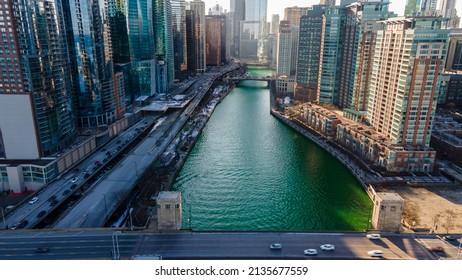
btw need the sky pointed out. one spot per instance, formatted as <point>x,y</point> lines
<point>277,6</point>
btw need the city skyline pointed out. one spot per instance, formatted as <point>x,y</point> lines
<point>274,7</point>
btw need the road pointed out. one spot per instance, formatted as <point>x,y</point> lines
<point>98,244</point>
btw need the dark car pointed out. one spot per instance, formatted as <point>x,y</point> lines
<point>39,215</point>
<point>450,238</point>
<point>52,198</point>
<point>86,175</point>
<point>54,202</point>
<point>73,186</point>
<point>66,192</point>
<point>23,224</point>
<point>437,249</point>
<point>41,250</point>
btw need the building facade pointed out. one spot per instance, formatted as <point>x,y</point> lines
<point>215,40</point>
<point>287,48</point>
<point>447,9</point>
<point>293,14</point>
<point>310,45</point>
<point>163,38</point>
<point>408,61</point>
<point>179,38</point>
<point>197,35</point>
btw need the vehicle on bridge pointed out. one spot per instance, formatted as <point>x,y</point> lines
<point>276,246</point>
<point>327,247</point>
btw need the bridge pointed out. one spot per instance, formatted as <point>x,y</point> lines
<point>261,79</point>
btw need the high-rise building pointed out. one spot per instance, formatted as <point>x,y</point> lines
<point>36,110</point>
<point>163,34</point>
<point>255,16</point>
<point>311,44</point>
<point>179,37</point>
<point>327,2</point>
<point>447,10</point>
<point>216,10</point>
<point>274,24</point>
<point>119,32</point>
<point>454,59</point>
<point>330,62</point>
<point>140,29</point>
<point>197,37</point>
<point>428,7</point>
<point>412,7</point>
<point>287,47</point>
<point>237,14</point>
<point>293,14</point>
<point>359,31</point>
<point>89,39</point>
<point>408,60</point>
<point>215,45</point>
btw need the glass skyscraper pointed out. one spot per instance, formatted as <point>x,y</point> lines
<point>256,10</point>
<point>179,37</point>
<point>34,62</point>
<point>163,34</point>
<point>89,40</point>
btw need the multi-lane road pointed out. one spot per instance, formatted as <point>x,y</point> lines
<point>100,244</point>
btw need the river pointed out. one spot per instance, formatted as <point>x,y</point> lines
<point>248,171</point>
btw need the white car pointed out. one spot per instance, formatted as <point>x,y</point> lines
<point>74,180</point>
<point>375,253</point>
<point>310,252</point>
<point>373,236</point>
<point>327,247</point>
<point>275,246</point>
<point>33,200</point>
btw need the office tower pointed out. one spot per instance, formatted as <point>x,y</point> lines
<point>428,7</point>
<point>293,14</point>
<point>274,24</point>
<point>454,58</point>
<point>89,41</point>
<point>359,31</point>
<point>287,49</point>
<point>412,7</point>
<point>215,40</point>
<point>447,10</point>
<point>311,44</point>
<point>140,29</point>
<point>198,36</point>
<point>179,37</point>
<point>216,10</point>
<point>408,60</point>
<point>255,16</point>
<point>163,34</point>
<point>330,62</point>
<point>119,89</point>
<point>119,32</point>
<point>36,110</point>
<point>237,15</point>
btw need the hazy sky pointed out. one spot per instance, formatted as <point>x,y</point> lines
<point>277,6</point>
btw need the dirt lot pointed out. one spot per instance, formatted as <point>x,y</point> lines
<point>432,208</point>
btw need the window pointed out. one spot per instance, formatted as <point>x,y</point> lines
<point>167,206</point>
<point>393,208</point>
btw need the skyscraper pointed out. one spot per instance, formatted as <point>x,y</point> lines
<point>428,7</point>
<point>311,44</point>
<point>454,59</point>
<point>89,40</point>
<point>36,111</point>
<point>293,14</point>
<point>198,33</point>
<point>409,58</point>
<point>330,62</point>
<point>237,15</point>
<point>287,46</point>
<point>215,40</point>
<point>163,34</point>
<point>119,31</point>
<point>179,37</point>
<point>447,10</point>
<point>255,15</point>
<point>274,24</point>
<point>359,32</point>
<point>412,7</point>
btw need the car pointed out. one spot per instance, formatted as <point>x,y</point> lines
<point>437,249</point>
<point>310,252</point>
<point>373,236</point>
<point>73,186</point>
<point>23,224</point>
<point>450,238</point>
<point>86,175</point>
<point>54,202</point>
<point>41,250</point>
<point>327,247</point>
<point>52,198</point>
<point>33,200</point>
<point>66,192</point>
<point>41,213</point>
<point>375,253</point>
<point>76,169</point>
<point>275,246</point>
<point>74,180</point>
<point>97,162</point>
